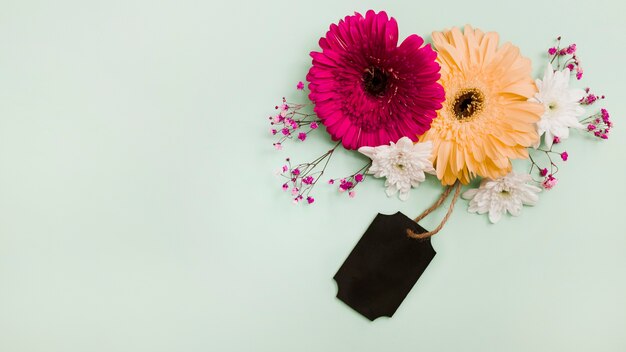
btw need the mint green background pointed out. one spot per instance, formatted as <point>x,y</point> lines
<point>139,210</point>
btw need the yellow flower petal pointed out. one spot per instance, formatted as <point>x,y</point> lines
<point>486,119</point>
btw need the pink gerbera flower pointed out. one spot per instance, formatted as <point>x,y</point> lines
<point>367,90</point>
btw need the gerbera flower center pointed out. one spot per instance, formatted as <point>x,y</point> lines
<point>375,81</point>
<point>468,103</point>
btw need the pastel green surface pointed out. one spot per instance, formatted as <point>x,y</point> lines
<point>139,210</point>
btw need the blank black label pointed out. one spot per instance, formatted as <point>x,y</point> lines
<point>383,266</point>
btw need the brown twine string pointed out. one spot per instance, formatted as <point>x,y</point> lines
<point>442,198</point>
<point>435,205</point>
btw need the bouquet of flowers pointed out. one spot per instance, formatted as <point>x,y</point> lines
<point>458,109</point>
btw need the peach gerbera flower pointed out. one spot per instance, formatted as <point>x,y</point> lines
<point>486,119</point>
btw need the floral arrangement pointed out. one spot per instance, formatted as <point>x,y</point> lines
<point>460,108</point>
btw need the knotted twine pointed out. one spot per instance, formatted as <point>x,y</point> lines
<point>437,204</point>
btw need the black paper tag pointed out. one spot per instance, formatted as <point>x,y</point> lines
<point>383,266</point>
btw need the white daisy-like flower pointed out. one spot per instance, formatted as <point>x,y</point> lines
<point>562,105</point>
<point>402,163</point>
<point>506,194</point>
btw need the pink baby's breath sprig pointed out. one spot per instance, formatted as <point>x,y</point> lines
<point>590,98</point>
<point>565,57</point>
<point>348,184</point>
<point>598,125</point>
<point>291,122</point>
<point>549,182</point>
<point>548,171</point>
<point>302,178</point>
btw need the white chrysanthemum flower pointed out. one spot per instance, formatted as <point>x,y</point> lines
<point>562,105</point>
<point>402,163</point>
<point>506,194</point>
